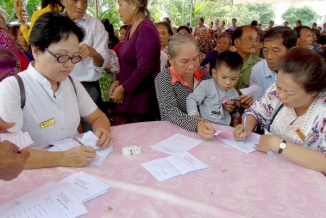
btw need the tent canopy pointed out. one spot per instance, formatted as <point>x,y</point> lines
<point>267,1</point>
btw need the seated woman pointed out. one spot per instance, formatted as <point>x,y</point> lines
<point>54,102</point>
<point>294,109</point>
<point>174,84</point>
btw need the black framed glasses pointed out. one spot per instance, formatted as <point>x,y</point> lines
<point>65,58</point>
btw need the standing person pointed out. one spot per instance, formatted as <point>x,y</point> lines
<point>93,49</point>
<point>233,26</point>
<point>245,40</point>
<point>293,109</point>
<point>10,54</point>
<point>201,22</point>
<point>165,33</point>
<point>47,5</point>
<point>277,43</point>
<point>270,25</point>
<point>122,34</point>
<point>12,160</point>
<point>134,89</point>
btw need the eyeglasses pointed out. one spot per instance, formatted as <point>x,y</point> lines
<point>65,58</point>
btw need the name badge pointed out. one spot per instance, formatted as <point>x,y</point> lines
<point>47,123</point>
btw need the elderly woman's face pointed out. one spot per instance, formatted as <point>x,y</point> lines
<point>127,11</point>
<point>47,64</point>
<point>291,93</point>
<point>223,44</point>
<point>186,62</point>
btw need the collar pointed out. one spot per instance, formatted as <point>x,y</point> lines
<point>177,78</point>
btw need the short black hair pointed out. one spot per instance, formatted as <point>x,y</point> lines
<point>229,59</point>
<point>288,35</point>
<point>51,27</point>
<point>239,31</point>
<point>167,25</point>
<point>184,28</point>
<point>124,27</point>
<point>299,28</point>
<point>254,23</point>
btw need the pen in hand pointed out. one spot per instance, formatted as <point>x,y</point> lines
<point>245,121</point>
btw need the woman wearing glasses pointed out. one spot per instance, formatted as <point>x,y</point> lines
<point>55,101</point>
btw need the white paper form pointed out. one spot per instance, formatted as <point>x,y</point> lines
<point>247,146</point>
<point>166,168</point>
<point>81,185</point>
<point>176,144</point>
<point>251,90</point>
<point>53,204</point>
<point>89,139</point>
<point>22,140</point>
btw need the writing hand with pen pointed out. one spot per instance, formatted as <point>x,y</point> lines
<point>244,130</point>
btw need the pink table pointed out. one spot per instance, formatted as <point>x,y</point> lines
<point>234,185</point>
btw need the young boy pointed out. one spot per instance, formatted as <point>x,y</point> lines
<point>210,95</point>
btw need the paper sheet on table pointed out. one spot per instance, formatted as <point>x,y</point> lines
<point>53,204</point>
<point>179,164</point>
<point>89,139</point>
<point>22,140</point>
<point>247,146</point>
<point>176,144</point>
<point>80,185</point>
<point>251,90</point>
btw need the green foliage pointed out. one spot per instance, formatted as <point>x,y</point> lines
<point>306,14</point>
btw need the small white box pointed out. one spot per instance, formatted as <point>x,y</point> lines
<point>131,150</point>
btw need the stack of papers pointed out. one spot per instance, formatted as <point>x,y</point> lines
<point>88,139</point>
<point>22,140</point>
<point>176,144</point>
<point>176,165</point>
<point>247,146</point>
<point>61,199</point>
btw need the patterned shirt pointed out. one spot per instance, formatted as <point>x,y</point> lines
<point>286,124</point>
<point>172,97</point>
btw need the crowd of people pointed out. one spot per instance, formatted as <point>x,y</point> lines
<point>51,70</point>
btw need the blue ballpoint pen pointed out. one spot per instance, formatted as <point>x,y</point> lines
<point>245,121</point>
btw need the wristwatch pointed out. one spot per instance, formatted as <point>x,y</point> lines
<point>282,147</point>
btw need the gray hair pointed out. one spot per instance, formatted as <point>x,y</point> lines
<point>177,40</point>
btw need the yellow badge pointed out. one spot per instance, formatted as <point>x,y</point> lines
<point>47,123</point>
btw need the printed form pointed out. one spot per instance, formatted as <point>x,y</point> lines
<point>172,166</point>
<point>176,144</point>
<point>247,146</point>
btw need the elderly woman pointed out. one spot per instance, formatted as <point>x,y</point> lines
<point>139,57</point>
<point>165,33</point>
<point>204,43</point>
<point>54,101</point>
<point>294,109</point>
<point>175,83</point>
<point>223,43</point>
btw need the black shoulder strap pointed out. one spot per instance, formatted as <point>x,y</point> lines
<point>22,91</point>
<point>73,84</point>
<point>278,110</point>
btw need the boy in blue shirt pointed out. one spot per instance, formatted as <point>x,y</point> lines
<point>211,94</point>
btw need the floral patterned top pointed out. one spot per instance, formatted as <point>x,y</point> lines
<point>205,45</point>
<point>307,130</point>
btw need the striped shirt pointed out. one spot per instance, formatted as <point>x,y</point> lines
<point>172,98</point>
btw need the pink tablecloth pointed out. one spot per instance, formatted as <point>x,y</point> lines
<point>234,185</point>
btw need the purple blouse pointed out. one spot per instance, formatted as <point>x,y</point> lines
<point>139,64</point>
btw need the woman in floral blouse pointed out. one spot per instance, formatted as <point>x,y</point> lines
<point>294,111</point>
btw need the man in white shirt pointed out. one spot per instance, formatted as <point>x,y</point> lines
<point>93,49</point>
<point>233,26</point>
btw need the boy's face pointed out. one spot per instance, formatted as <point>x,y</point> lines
<point>225,77</point>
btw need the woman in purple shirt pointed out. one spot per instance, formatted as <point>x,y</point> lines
<point>139,56</point>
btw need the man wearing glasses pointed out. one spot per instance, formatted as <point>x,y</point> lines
<point>93,49</point>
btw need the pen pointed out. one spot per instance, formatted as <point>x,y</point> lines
<point>80,143</point>
<point>77,141</point>
<point>245,121</point>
